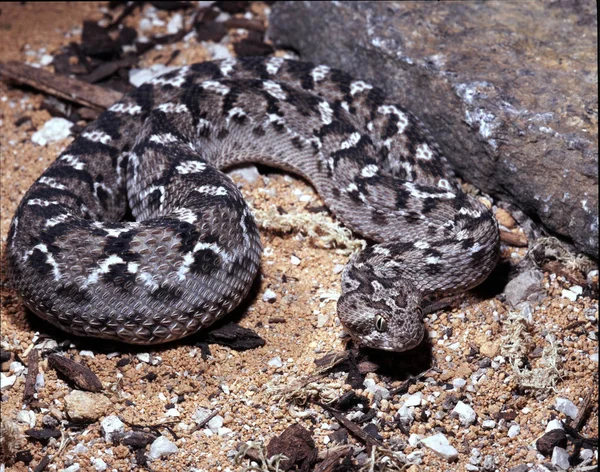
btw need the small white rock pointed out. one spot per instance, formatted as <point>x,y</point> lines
<point>98,464</point>
<point>269,296</point>
<point>46,59</point>
<point>514,430</point>
<point>560,458</point>
<point>201,414</point>
<point>322,319</point>
<point>72,468</point>
<point>275,362</point>
<point>414,440</point>
<point>7,380</point>
<point>144,357</point>
<point>414,399</point>
<point>294,260</point>
<point>215,423</point>
<point>459,383</point>
<point>16,367</point>
<point>172,412</point>
<point>26,417</point>
<point>55,129</point>
<point>161,447</point>
<point>249,173</point>
<point>175,23</point>
<point>554,424</point>
<point>566,293</point>
<point>488,424</point>
<point>594,357</point>
<point>576,289</point>
<point>110,425</point>
<point>465,413</point>
<point>87,354</point>
<point>375,389</point>
<point>79,448</point>
<point>224,431</point>
<point>439,444</point>
<point>566,406</point>
<point>586,454</point>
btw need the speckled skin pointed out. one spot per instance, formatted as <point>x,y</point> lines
<point>193,250</point>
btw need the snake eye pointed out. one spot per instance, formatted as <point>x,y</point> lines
<point>380,324</point>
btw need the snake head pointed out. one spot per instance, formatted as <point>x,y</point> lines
<point>379,309</point>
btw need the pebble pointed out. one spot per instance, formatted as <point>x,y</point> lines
<point>110,425</point>
<point>413,400</point>
<point>554,424</point>
<point>465,413</point>
<point>376,390</point>
<point>86,407</point>
<point>514,431</point>
<point>224,431</point>
<point>586,454</point>
<point>7,380</point>
<point>26,417</point>
<point>16,367</point>
<point>79,448</point>
<point>55,129</point>
<point>439,444</point>
<point>269,296</point>
<point>488,424</point>
<point>525,287</point>
<point>72,468</point>
<point>414,440</point>
<point>249,173</point>
<point>489,462</point>
<point>175,23</point>
<point>560,458</point>
<point>144,357</point>
<point>201,414</point>
<point>489,349</point>
<point>276,362</point>
<point>566,293</point>
<point>505,218</point>
<point>566,406</point>
<point>294,260</point>
<point>471,467</point>
<point>215,423</point>
<point>322,319</point>
<point>161,447</point>
<point>98,464</point>
<point>459,383</point>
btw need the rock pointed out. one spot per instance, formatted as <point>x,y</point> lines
<point>520,468</point>
<point>413,400</point>
<point>489,463</point>
<point>7,381</point>
<point>459,383</point>
<point>526,287</point>
<point>98,464</point>
<point>275,362</point>
<point>474,64</point>
<point>554,424</point>
<point>566,293</point>
<point>161,447</point>
<point>586,454</point>
<point>560,458</point>
<point>72,468</point>
<point>249,173</point>
<point>440,445</point>
<point>488,424</point>
<point>566,406</point>
<point>465,413</point>
<point>514,431</point>
<point>489,349</point>
<point>112,425</point>
<point>26,417</point>
<point>86,407</point>
<point>505,218</point>
<point>55,129</point>
<point>215,423</point>
<point>377,391</point>
<point>201,414</point>
<point>269,296</point>
<point>553,438</point>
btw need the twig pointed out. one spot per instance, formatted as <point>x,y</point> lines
<point>583,413</point>
<point>74,90</point>
<point>32,372</point>
<point>79,374</point>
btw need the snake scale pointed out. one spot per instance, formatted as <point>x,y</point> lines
<point>190,249</point>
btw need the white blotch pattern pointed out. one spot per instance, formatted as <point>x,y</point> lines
<point>234,112</point>
<point>392,110</point>
<point>173,108</point>
<point>49,259</point>
<point>72,161</point>
<point>274,89</point>
<point>214,86</point>
<point>103,268</point>
<point>191,167</point>
<point>369,170</point>
<point>352,141</point>
<point>227,66</point>
<point>50,182</point>
<point>432,260</point>
<point>471,213</point>
<point>443,183</point>
<point>185,214</point>
<point>163,138</point>
<point>188,258</point>
<point>421,245</point>
<point>319,72</point>
<point>359,86</point>
<point>326,113</point>
<point>129,108</point>
<point>97,136</point>
<point>424,152</point>
<point>377,249</point>
<point>152,188</point>
<point>57,220</point>
<point>274,64</point>
<point>415,192</point>
<point>211,190</point>
<point>176,81</point>
<point>40,202</point>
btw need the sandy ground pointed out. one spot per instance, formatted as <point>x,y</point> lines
<point>467,343</point>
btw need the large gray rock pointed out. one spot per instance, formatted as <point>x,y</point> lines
<point>509,89</point>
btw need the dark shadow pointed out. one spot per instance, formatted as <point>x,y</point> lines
<point>496,281</point>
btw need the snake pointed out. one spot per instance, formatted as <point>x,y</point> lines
<point>135,234</point>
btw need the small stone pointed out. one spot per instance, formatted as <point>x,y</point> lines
<point>16,367</point>
<point>172,412</point>
<point>505,218</point>
<point>276,362</point>
<point>459,383</point>
<point>144,357</point>
<point>414,440</point>
<point>111,425</point>
<point>520,468</point>
<point>294,260</point>
<point>471,467</point>
<point>414,399</point>
<point>377,391</point>
<point>560,458</point>
<point>224,431</point>
<point>338,268</point>
<point>465,413</point>
<point>514,431</point>
<point>439,444</point>
<point>269,296</point>
<point>249,173</point>
<point>550,440</point>
<point>489,462</point>
<point>527,287</point>
<point>215,423</point>
<point>586,454</point>
<point>161,447</point>
<point>566,406</point>
<point>55,129</point>
<point>566,293</point>
<point>7,381</point>
<point>554,424</point>
<point>87,354</point>
<point>322,319</point>
<point>175,24</point>
<point>489,349</point>
<point>86,407</point>
<point>79,448</point>
<point>98,464</point>
<point>488,424</point>
<point>26,417</point>
<point>594,357</point>
<point>72,468</point>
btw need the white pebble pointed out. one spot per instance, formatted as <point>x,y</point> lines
<point>586,454</point>
<point>161,447</point>
<point>144,357</point>
<point>439,444</point>
<point>224,431</point>
<point>110,425</point>
<point>249,173</point>
<point>594,357</point>
<point>98,464</point>
<point>375,389</point>
<point>55,129</point>
<point>294,260</point>
<point>322,319</point>
<point>459,383</point>
<point>514,430</point>
<point>72,468</point>
<point>175,23</point>
<point>576,289</point>
<point>16,367</point>
<point>275,362</point>
<point>560,458</point>
<point>79,448</point>
<point>414,440</point>
<point>201,414</point>
<point>338,268</point>
<point>488,424</point>
<point>26,417</point>
<point>465,413</point>
<point>554,424</point>
<point>566,406</point>
<point>269,296</point>
<point>413,400</point>
<point>7,380</point>
<point>172,412</point>
<point>215,423</point>
<point>566,293</point>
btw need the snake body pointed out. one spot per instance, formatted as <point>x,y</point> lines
<point>191,250</point>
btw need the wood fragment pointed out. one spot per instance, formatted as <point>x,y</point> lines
<point>74,90</point>
<point>42,464</point>
<point>583,412</point>
<point>330,458</point>
<point>32,372</point>
<point>79,374</point>
<point>513,239</point>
